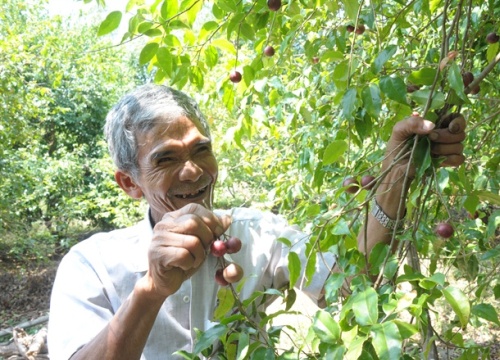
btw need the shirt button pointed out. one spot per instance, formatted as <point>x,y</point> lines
<point>185,299</point>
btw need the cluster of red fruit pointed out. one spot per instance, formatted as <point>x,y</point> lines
<point>231,272</point>
<point>352,184</point>
<point>235,75</point>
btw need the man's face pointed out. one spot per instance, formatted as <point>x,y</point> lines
<point>177,166</point>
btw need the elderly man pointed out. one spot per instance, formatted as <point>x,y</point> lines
<point>141,292</point>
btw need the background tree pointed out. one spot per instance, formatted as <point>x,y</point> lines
<point>57,84</point>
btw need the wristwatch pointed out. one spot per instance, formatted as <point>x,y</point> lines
<point>382,217</point>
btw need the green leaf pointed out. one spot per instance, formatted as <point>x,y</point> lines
<point>325,327</point>
<point>351,8</point>
<point>365,307</point>
<point>485,195</point>
<point>148,52</point>
<point>224,45</point>
<point>491,254</point>
<point>487,312</point>
<point>406,330</point>
<point>459,303</point>
<point>225,300</point>
<point>293,267</point>
<point>243,345</point>
<point>421,97</point>
<point>456,82</point>
<point>169,8</point>
<point>386,340</point>
<point>355,349</point>
<point>371,100</point>
<point>423,76</point>
<point>209,337</point>
<point>349,103</point>
<point>394,88</point>
<point>492,51</point>
<point>111,23</point>
<point>333,151</point>
<point>422,158</point>
<point>382,58</point>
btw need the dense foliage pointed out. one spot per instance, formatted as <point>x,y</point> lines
<point>317,107</point>
<point>57,84</point>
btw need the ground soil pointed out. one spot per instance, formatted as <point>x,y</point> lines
<point>25,292</point>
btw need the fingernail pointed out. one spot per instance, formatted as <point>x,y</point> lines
<point>428,125</point>
<point>433,136</point>
<point>454,128</point>
<point>219,231</point>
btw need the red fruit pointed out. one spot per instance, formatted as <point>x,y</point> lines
<point>233,273</point>
<point>269,50</point>
<point>360,29</point>
<point>351,184</point>
<point>350,28</point>
<point>218,248</point>
<point>444,230</point>
<point>412,88</point>
<point>219,278</point>
<point>235,76</point>
<point>475,90</point>
<point>274,5</point>
<point>315,60</point>
<point>492,38</point>
<point>233,245</point>
<point>367,182</point>
<point>467,78</point>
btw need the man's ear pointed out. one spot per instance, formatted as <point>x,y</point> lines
<point>128,184</point>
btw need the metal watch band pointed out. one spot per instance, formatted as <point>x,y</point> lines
<point>382,217</point>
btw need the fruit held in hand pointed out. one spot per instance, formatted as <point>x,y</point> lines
<point>233,245</point>
<point>219,278</point>
<point>274,5</point>
<point>235,76</point>
<point>492,38</point>
<point>269,50</point>
<point>367,182</point>
<point>351,184</point>
<point>232,273</point>
<point>444,230</point>
<point>467,78</point>
<point>218,248</point>
<point>360,29</point>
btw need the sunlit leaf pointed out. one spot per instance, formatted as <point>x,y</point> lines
<point>365,307</point>
<point>334,151</point>
<point>112,22</point>
<point>386,340</point>
<point>459,303</point>
<point>325,327</point>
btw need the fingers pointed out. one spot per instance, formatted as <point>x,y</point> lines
<point>408,127</point>
<point>452,130</point>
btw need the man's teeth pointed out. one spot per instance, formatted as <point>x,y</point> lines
<point>185,196</point>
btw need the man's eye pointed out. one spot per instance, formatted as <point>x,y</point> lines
<point>165,160</point>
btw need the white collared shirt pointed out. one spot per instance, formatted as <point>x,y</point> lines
<point>98,274</point>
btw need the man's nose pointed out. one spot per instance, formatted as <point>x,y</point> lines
<point>190,171</point>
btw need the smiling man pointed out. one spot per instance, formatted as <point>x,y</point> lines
<point>141,292</point>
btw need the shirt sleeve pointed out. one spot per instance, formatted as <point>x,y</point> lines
<point>79,306</point>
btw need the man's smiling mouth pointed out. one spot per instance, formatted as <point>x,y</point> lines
<point>192,195</point>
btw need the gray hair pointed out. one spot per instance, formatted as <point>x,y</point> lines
<point>138,112</point>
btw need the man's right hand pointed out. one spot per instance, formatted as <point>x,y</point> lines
<point>181,242</point>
